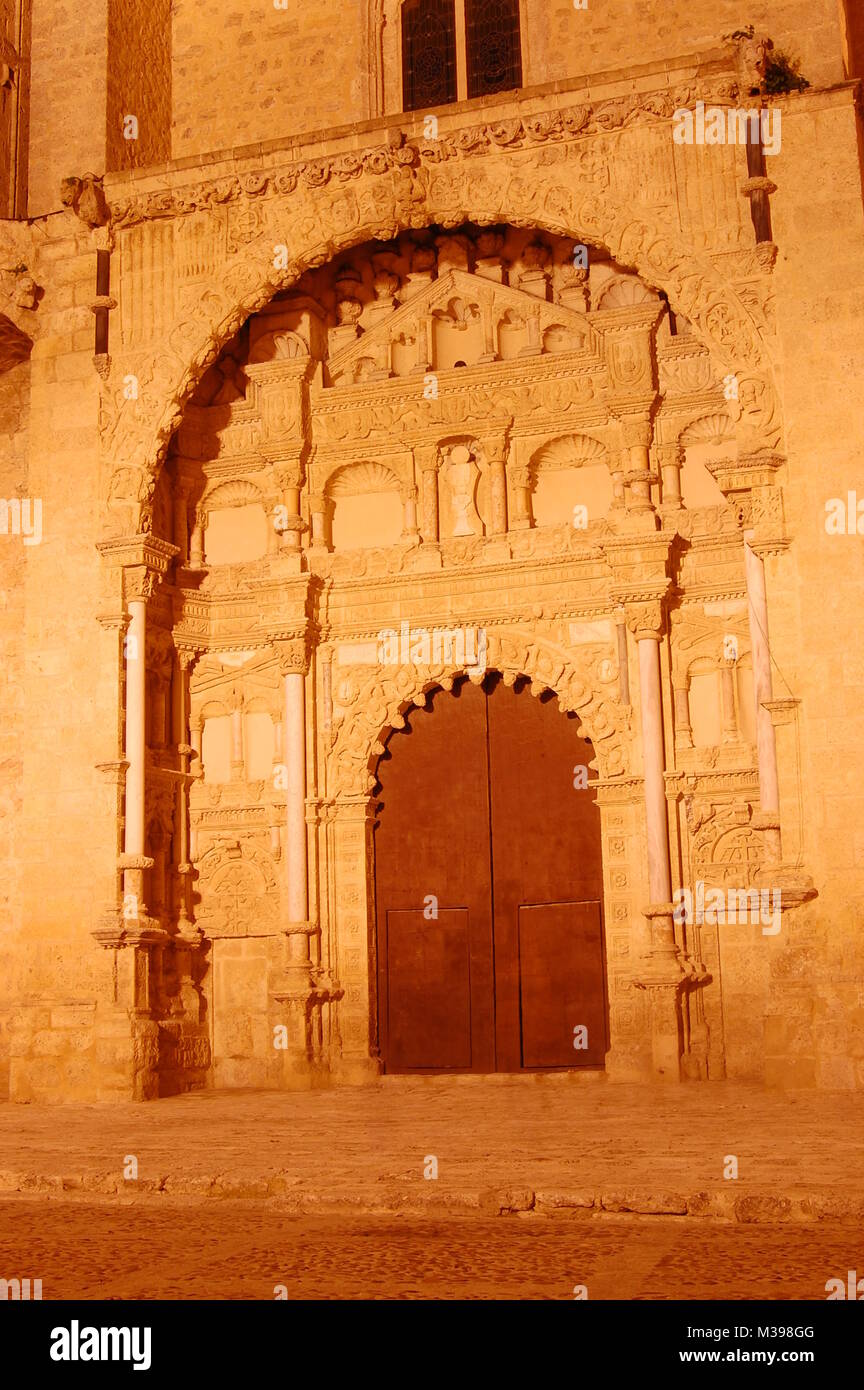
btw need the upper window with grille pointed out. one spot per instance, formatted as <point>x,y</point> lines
<point>453,49</point>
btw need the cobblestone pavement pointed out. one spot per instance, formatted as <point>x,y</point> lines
<point>234,1250</point>
<point>370,1145</point>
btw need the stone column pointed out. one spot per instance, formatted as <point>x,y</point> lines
<point>410,530</point>
<point>182,851</point>
<point>424,345</point>
<point>654,763</point>
<point>727,690</point>
<point>520,483</point>
<point>289,479</point>
<point>660,973</point>
<point>126,1032</point>
<point>199,526</point>
<point>495,451</point>
<point>295,996</point>
<point>428,461</point>
<point>318,509</point>
<point>141,584</point>
<point>637,431</point>
<point>766,748</point>
<point>670,458</point>
<point>238,760</point>
<point>681,702</point>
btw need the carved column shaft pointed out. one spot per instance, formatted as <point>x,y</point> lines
<point>427,461</point>
<point>766,748</point>
<point>318,508</point>
<point>196,553</point>
<point>727,688</point>
<point>496,457</point>
<point>683,729</point>
<point>238,762</point>
<point>654,762</point>
<point>520,483</point>
<point>623,659</point>
<point>671,459</point>
<point>182,850</point>
<point>410,529</point>
<point>136,723</point>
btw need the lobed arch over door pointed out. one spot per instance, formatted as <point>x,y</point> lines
<point>327,207</point>
<point>380,700</point>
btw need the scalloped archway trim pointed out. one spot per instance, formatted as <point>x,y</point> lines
<point>381,699</point>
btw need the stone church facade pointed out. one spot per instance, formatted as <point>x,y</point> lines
<point>418,456</point>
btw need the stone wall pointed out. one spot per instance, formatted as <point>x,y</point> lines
<point>565,42</point>
<point>139,82</point>
<point>245,73</point>
<point>14,405</point>
<point>816,587</point>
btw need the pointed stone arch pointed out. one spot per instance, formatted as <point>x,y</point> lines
<point>380,700</point>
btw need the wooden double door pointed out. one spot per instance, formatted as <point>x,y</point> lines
<point>488,888</point>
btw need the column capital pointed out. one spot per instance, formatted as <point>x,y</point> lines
<point>637,430</point>
<point>644,610</point>
<point>292,652</point>
<point>428,457</point>
<point>143,559</point>
<point>187,656</point>
<point>646,620</point>
<point>288,472</point>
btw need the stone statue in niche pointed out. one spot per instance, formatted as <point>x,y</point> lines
<point>462,474</point>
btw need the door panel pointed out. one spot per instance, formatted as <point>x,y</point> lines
<point>561,983</point>
<point>432,842</point>
<point>545,834</point>
<point>429,978</point>
<point>479,819</point>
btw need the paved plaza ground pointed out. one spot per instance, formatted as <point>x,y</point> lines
<point>563,1145</point>
<point>195,1249</point>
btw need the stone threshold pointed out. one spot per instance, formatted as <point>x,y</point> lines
<point>750,1207</point>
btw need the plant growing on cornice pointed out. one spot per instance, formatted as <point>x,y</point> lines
<point>783,74</point>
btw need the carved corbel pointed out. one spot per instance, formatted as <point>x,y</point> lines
<point>86,198</point>
<point>750,483</point>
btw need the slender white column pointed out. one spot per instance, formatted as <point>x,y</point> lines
<point>757,610</point>
<point>651,703</point>
<point>295,760</point>
<point>238,764</point>
<point>136,714</point>
<point>730,721</point>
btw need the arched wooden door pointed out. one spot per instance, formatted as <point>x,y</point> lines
<point>488,888</point>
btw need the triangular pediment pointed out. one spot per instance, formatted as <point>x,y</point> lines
<point>463,299</point>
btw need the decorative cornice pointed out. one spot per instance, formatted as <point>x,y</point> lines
<point>397,152</point>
